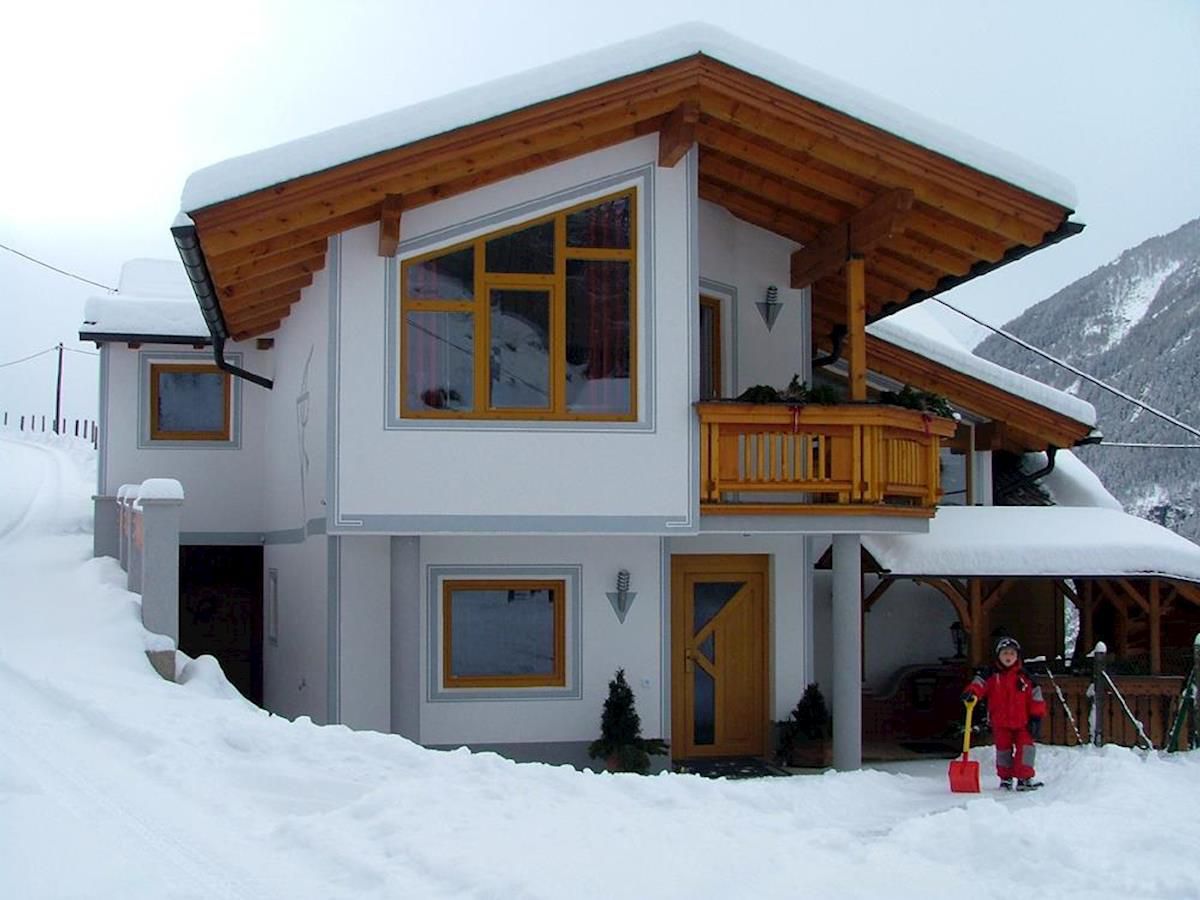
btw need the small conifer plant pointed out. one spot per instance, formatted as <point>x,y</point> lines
<point>621,743</point>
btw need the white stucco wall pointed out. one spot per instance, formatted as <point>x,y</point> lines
<point>586,475</point>
<point>292,496</point>
<point>607,644</point>
<point>221,483</point>
<point>738,262</point>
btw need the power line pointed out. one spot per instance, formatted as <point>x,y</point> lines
<point>111,290</point>
<point>1074,371</point>
<point>83,352</point>
<point>1140,444</point>
<point>27,358</point>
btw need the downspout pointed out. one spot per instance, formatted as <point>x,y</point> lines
<point>192,254</point>
<point>1051,452</point>
<point>838,336</point>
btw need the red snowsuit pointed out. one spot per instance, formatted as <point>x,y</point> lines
<point>1013,699</point>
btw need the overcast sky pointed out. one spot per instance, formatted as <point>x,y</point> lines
<point>106,108</point>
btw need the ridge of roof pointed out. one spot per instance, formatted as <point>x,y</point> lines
<point>323,150</point>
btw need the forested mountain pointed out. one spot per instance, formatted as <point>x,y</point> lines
<point>1135,323</point>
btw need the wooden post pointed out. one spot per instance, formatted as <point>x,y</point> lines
<point>58,393</point>
<point>1194,740</point>
<point>975,592</point>
<point>1098,689</point>
<point>1155,628</point>
<point>1088,604</point>
<point>856,324</point>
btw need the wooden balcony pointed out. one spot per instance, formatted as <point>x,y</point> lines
<point>856,458</point>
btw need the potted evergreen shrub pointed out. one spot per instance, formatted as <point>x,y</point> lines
<point>804,738</point>
<point>621,744</point>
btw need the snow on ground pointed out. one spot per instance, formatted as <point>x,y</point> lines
<point>114,783</point>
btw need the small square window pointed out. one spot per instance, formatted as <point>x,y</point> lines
<point>503,634</point>
<point>189,402</point>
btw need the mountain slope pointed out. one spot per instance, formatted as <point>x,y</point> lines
<point>1134,323</point>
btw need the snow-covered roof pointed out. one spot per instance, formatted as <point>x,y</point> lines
<point>1037,540</point>
<point>915,330</point>
<point>1071,483</point>
<point>155,300</point>
<point>244,174</point>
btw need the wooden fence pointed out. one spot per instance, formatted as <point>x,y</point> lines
<point>80,428</point>
<point>1153,700</point>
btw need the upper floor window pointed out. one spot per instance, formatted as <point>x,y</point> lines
<point>533,322</point>
<point>189,402</point>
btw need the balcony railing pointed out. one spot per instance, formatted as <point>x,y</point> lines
<point>852,458</point>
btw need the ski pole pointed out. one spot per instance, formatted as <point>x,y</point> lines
<point>1066,709</point>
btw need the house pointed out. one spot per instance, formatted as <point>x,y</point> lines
<point>447,413</point>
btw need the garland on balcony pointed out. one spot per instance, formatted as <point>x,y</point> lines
<point>800,393</point>
<point>922,401</point>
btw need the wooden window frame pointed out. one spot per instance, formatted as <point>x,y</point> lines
<point>159,434</point>
<point>556,284</point>
<point>555,678</point>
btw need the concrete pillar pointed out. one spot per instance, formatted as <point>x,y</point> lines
<point>847,652</point>
<point>981,466</point>
<point>124,527</point>
<point>160,504</point>
<point>106,528</point>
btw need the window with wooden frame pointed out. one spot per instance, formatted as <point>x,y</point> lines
<point>537,321</point>
<point>503,634</point>
<point>189,402</point>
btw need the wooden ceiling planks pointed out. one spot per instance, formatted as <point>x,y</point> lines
<point>773,158</point>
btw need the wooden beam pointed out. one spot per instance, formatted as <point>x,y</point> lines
<point>884,217</point>
<point>232,301</point>
<point>389,224</point>
<point>254,323</point>
<point>877,593</point>
<point>256,330</point>
<point>310,266</point>
<point>270,263</point>
<point>276,303</point>
<point>856,324</point>
<point>1188,590</point>
<point>978,648</point>
<point>956,597</point>
<point>996,594</point>
<point>678,133</point>
<point>1133,594</point>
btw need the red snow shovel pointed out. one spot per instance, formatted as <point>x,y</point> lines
<point>964,773</point>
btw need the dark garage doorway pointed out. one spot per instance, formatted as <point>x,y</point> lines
<point>221,611</point>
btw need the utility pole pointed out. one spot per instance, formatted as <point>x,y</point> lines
<point>58,391</point>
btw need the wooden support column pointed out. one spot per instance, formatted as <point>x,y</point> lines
<point>1087,631</point>
<point>389,224</point>
<point>978,651</point>
<point>1155,628</point>
<point>856,323</point>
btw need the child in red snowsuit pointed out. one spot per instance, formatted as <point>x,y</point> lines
<point>1015,710</point>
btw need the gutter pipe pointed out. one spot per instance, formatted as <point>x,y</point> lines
<point>187,242</point>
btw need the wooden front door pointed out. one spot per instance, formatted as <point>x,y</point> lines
<point>718,656</point>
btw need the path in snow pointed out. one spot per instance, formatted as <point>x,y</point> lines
<point>114,783</point>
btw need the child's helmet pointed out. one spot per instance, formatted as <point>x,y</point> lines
<point>1006,643</point>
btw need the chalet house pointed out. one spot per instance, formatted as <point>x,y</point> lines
<point>452,412</point>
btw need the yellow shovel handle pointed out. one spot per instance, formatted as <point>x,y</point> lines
<point>970,704</point>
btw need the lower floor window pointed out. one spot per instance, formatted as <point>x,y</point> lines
<point>189,402</point>
<point>503,633</point>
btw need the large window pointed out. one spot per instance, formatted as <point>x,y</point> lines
<point>189,402</point>
<point>535,322</point>
<point>503,633</point>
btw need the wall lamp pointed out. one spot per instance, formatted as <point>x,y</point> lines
<point>769,306</point>
<point>622,598</point>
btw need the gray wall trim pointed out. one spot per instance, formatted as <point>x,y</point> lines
<point>490,524</point>
<point>145,358</point>
<point>333,628</point>
<point>405,559</point>
<point>813,524</point>
<point>333,408</point>
<point>315,526</point>
<point>641,177</point>
<point>723,291</point>
<point>572,574</point>
<point>664,652</point>
<point>102,423</point>
<point>692,218</point>
<point>221,538</point>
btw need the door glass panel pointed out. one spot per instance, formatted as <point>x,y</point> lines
<point>519,361</point>
<point>709,598</point>
<point>704,730</point>
<point>709,352</point>
<point>708,647</point>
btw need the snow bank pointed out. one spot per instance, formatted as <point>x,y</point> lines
<point>1037,540</point>
<point>264,168</point>
<point>116,783</point>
